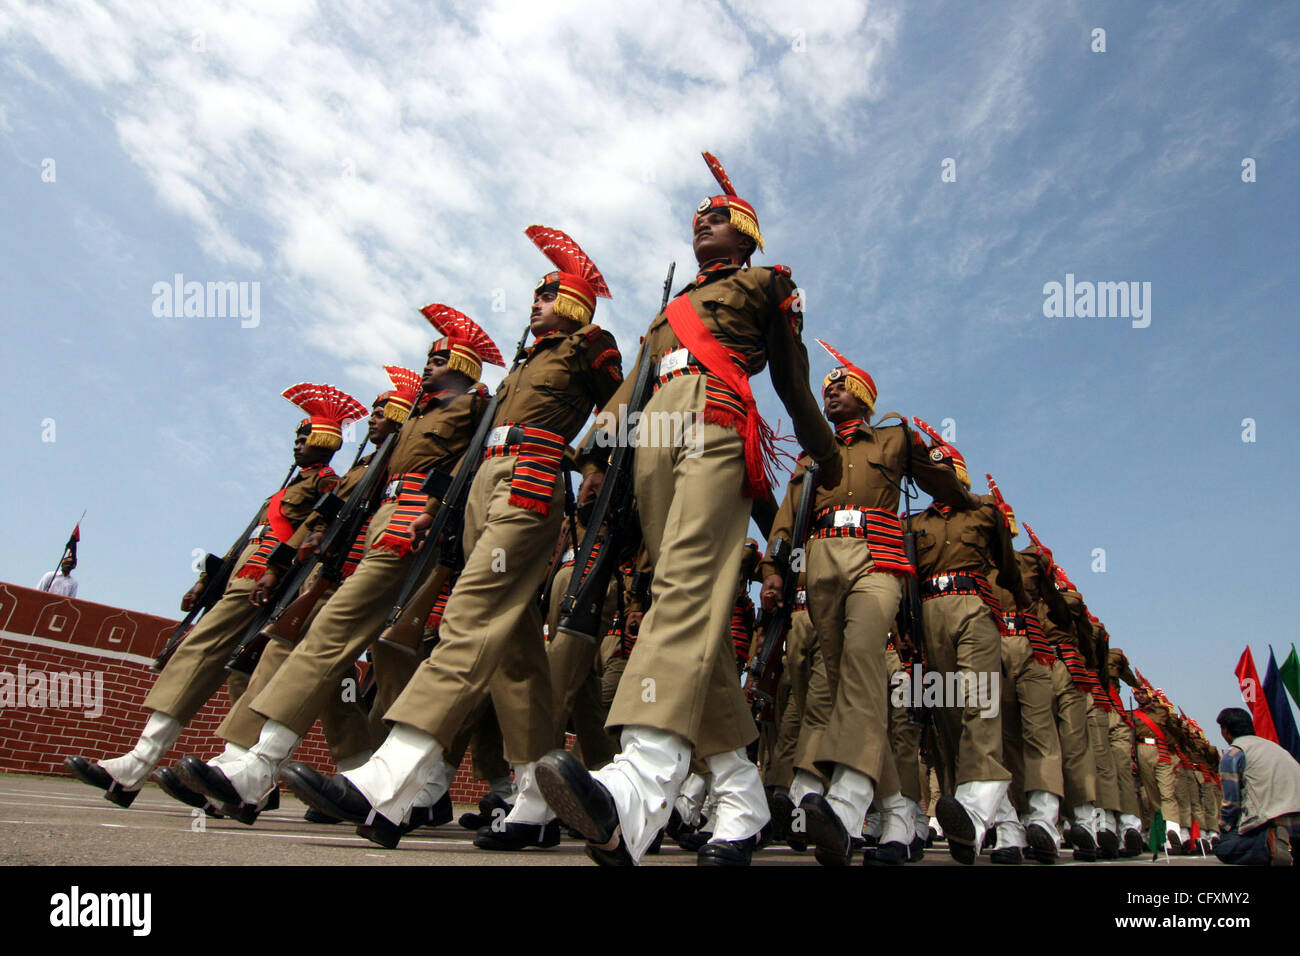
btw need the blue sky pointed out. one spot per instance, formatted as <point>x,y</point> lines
<point>358,160</point>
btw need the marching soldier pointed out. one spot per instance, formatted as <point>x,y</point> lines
<point>1031,747</point>
<point>198,667</point>
<point>1123,742</point>
<point>433,436</point>
<point>855,562</point>
<point>679,691</point>
<point>492,621</point>
<point>345,723</point>
<point>1069,707</point>
<point>956,552</point>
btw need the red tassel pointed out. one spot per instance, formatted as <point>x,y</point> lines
<point>251,572</point>
<point>543,508</point>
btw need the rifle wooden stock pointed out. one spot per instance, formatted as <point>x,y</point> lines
<point>287,628</point>
<point>407,632</point>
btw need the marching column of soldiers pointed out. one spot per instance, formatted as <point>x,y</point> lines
<point>909,679</point>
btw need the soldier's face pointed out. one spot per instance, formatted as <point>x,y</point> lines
<point>840,404</point>
<point>716,238</point>
<point>380,425</point>
<point>543,319</point>
<point>434,370</point>
<point>305,454</point>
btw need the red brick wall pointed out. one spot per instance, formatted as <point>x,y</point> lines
<point>66,635</point>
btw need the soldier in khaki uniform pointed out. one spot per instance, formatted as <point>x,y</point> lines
<point>1123,743</point>
<point>792,691</point>
<point>957,551</point>
<point>1155,762</point>
<point>492,621</point>
<point>266,729</point>
<point>1069,706</point>
<point>345,723</point>
<point>855,563</point>
<point>679,692</point>
<point>198,667</point>
<point>574,662</point>
<point>1031,747</point>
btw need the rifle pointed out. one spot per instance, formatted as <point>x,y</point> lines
<point>218,571</point>
<point>761,676</point>
<point>404,626</point>
<point>284,617</point>
<point>569,537</point>
<point>612,517</point>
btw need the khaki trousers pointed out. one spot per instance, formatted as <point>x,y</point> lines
<point>800,644</point>
<point>1209,807</point>
<point>1031,748</point>
<point>1184,787</point>
<point>1103,757</point>
<point>1070,710</point>
<point>344,719</point>
<point>681,675</point>
<point>575,685</point>
<point>1121,746</point>
<point>491,632</point>
<point>198,667</point>
<point>612,664</point>
<point>1158,782</point>
<point>846,717</point>
<point>299,690</point>
<point>961,636</point>
<point>904,735</point>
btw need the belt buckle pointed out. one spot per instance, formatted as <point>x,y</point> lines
<point>390,490</point>
<point>567,556</point>
<point>497,436</point>
<point>844,518</point>
<point>260,530</point>
<point>942,582</point>
<point>674,361</point>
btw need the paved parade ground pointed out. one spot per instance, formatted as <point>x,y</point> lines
<point>58,821</point>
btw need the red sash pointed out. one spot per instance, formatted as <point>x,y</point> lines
<point>281,529</point>
<point>760,440</point>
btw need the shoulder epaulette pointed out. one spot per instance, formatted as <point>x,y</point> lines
<point>784,270</point>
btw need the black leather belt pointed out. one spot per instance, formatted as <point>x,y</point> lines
<point>948,584</point>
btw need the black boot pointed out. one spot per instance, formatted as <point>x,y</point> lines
<point>959,828</point>
<point>583,803</point>
<point>825,831</point>
<point>519,836</point>
<point>726,852</point>
<point>97,776</point>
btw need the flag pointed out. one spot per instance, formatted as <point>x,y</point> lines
<point>71,547</point>
<point>1157,839</point>
<point>1283,721</point>
<point>1252,692</point>
<point>1290,671</point>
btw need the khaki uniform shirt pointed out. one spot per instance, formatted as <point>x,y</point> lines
<point>753,313</point>
<point>976,539</point>
<point>871,469</point>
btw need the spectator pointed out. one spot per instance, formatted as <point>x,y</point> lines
<point>61,582</point>
<point>1260,819</point>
